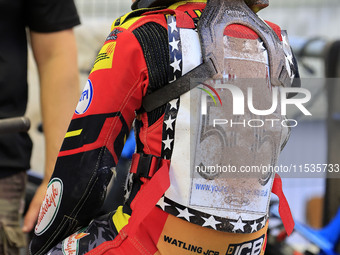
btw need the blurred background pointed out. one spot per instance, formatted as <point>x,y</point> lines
<point>313,29</point>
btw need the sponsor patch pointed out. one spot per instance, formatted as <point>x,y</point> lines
<point>114,34</point>
<point>85,98</point>
<point>253,247</point>
<point>104,58</point>
<point>70,245</point>
<point>50,206</point>
<point>183,238</point>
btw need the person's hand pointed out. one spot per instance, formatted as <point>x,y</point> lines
<point>34,208</point>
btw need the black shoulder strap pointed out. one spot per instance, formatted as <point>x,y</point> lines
<point>178,87</point>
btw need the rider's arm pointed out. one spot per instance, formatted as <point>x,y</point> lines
<point>56,57</point>
<point>94,140</point>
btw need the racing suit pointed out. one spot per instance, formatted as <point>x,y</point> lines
<point>145,50</point>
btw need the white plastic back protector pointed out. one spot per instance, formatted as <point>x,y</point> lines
<point>210,139</point>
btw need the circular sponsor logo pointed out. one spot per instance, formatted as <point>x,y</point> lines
<point>50,206</point>
<point>70,245</point>
<point>85,98</point>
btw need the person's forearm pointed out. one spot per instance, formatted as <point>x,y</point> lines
<point>58,99</point>
<point>56,58</point>
<point>59,83</point>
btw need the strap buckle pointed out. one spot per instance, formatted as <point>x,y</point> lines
<point>145,165</point>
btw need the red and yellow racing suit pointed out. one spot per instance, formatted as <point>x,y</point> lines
<point>143,52</point>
